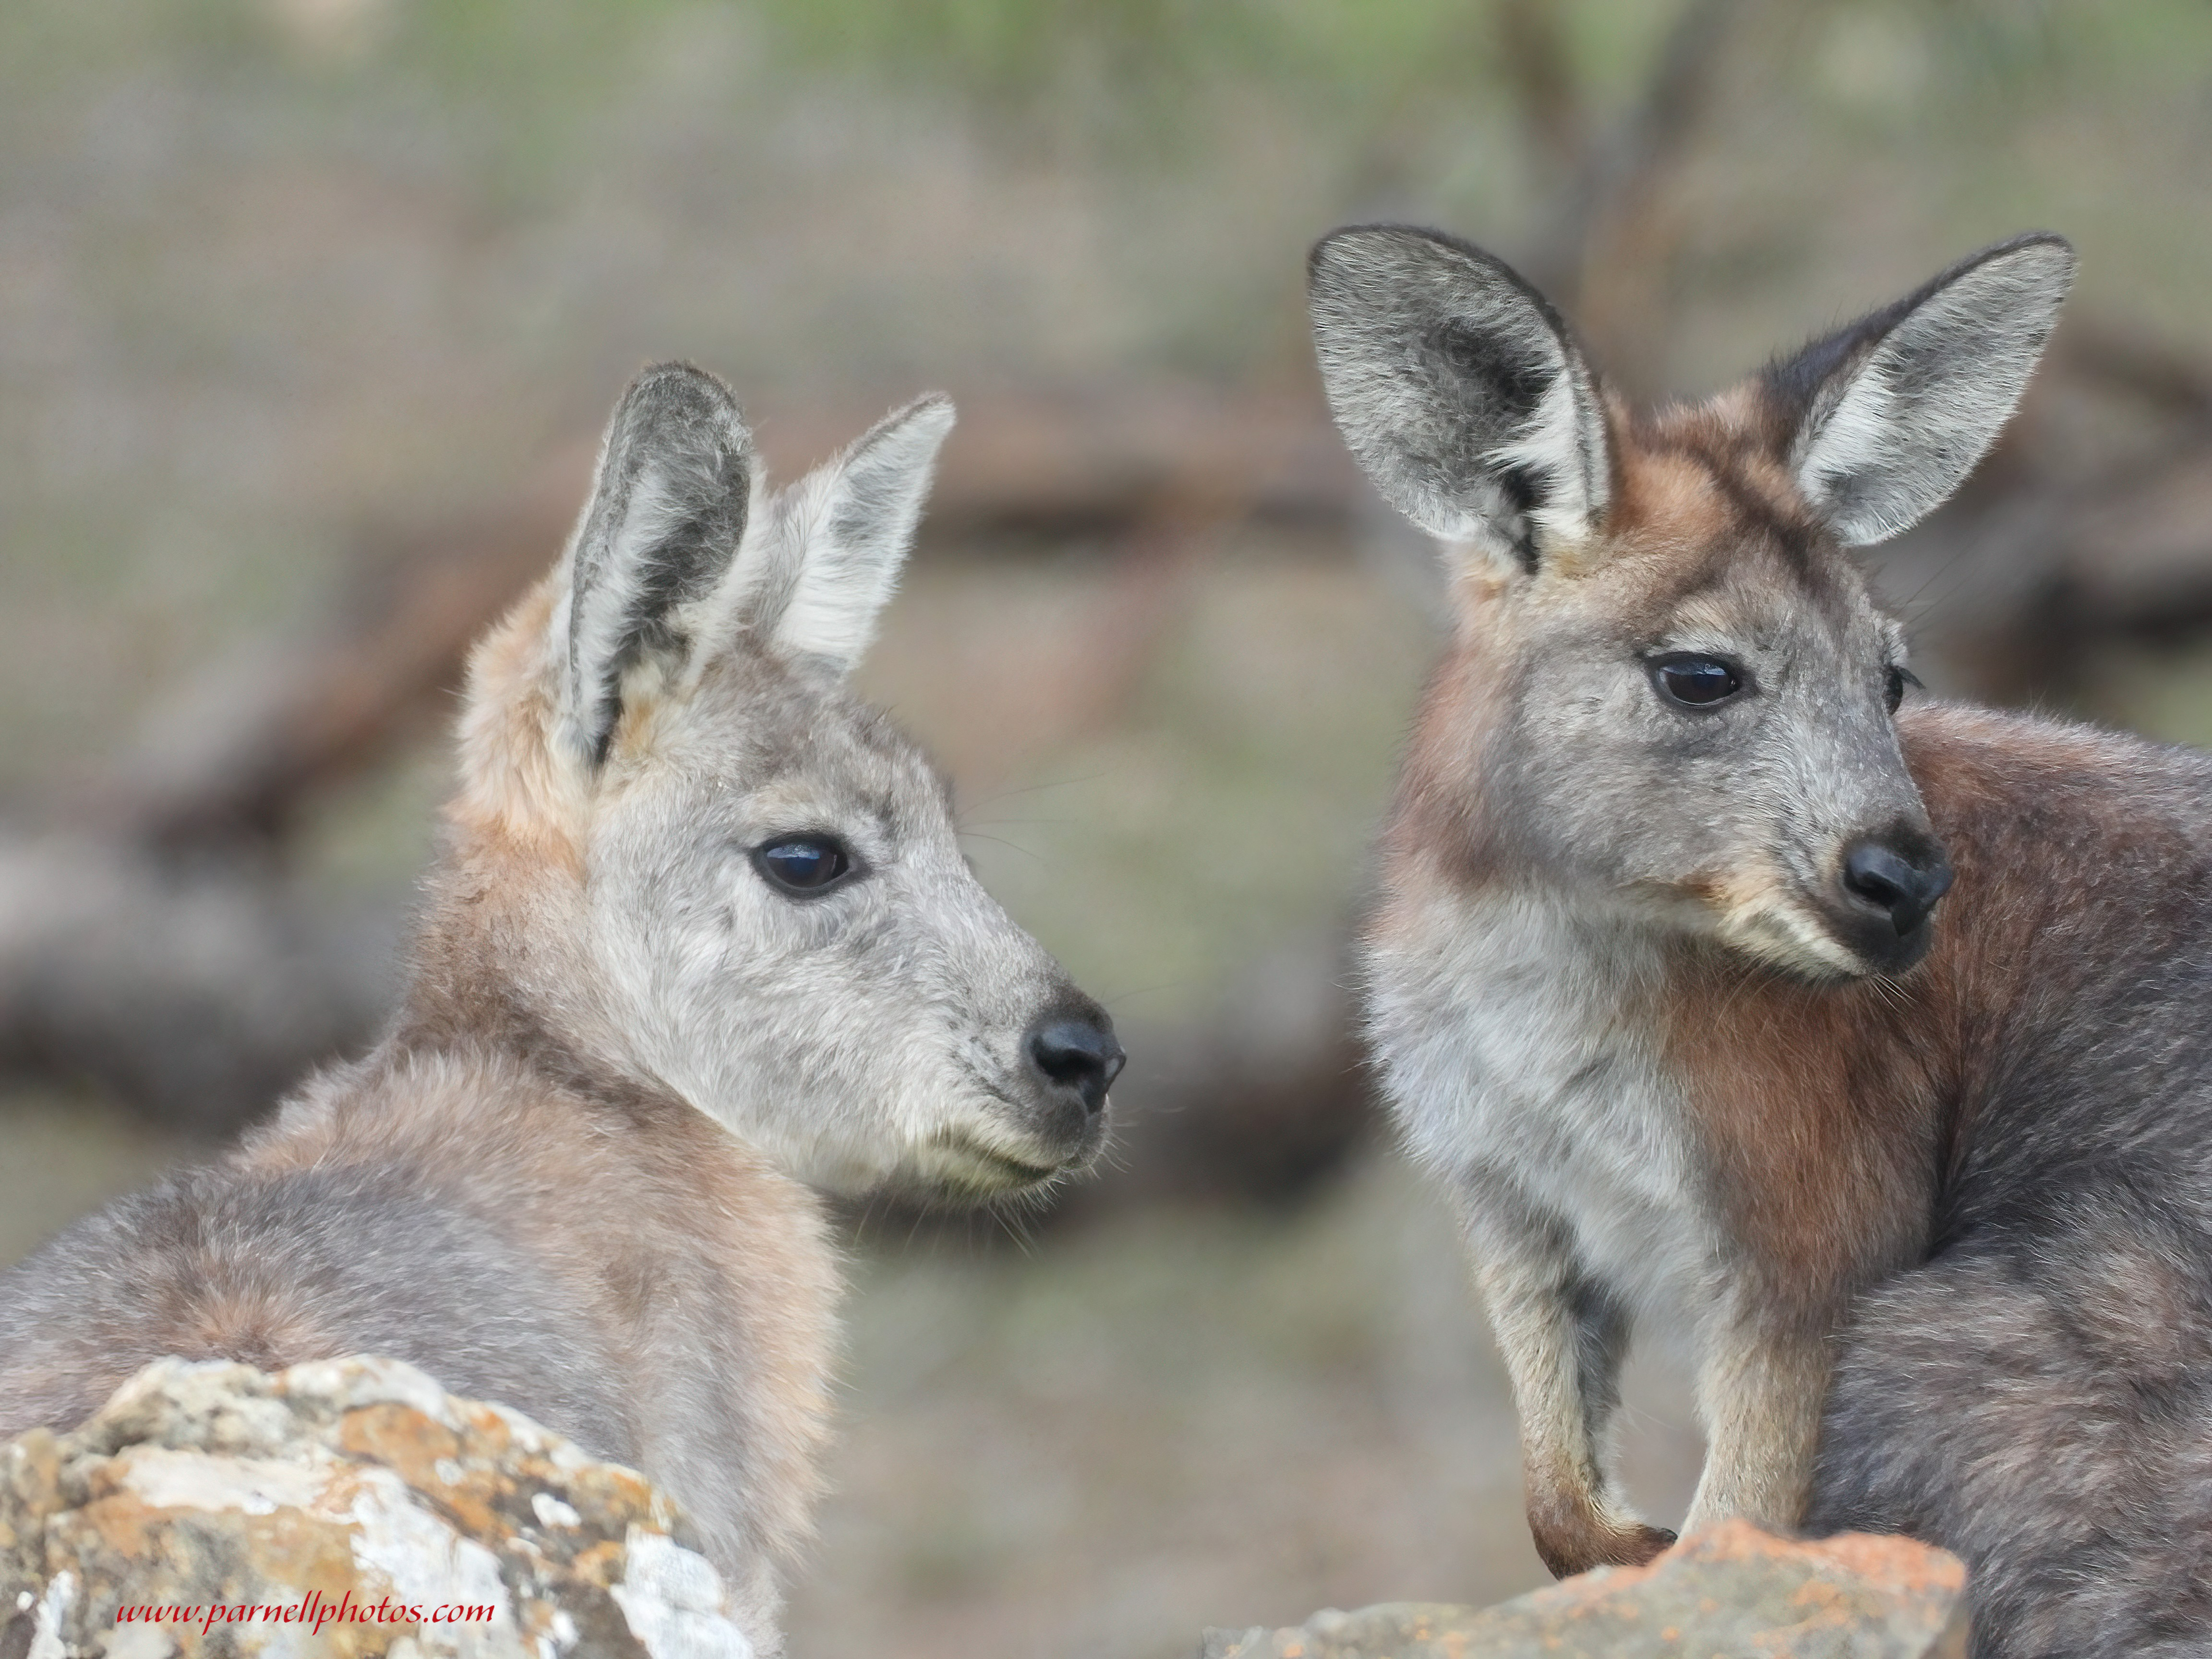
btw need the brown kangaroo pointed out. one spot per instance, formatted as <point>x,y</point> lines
<point>1659,986</point>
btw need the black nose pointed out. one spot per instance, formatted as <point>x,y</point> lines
<point>1078,1052</point>
<point>1905,880</point>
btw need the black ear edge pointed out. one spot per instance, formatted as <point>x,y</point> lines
<point>1793,381</point>
<point>683,369</point>
<point>1338,303</point>
<point>1318,258</point>
<point>695,552</point>
<point>661,389</point>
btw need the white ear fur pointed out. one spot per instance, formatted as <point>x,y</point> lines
<point>845,532</point>
<point>1459,390</point>
<point>1901,405</point>
<point>667,513</point>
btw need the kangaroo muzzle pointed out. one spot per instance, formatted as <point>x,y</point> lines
<point>1886,888</point>
<point>1072,1058</point>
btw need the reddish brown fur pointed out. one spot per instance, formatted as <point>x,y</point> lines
<point>1820,1111</point>
<point>1820,1108</point>
<point>1832,1109</point>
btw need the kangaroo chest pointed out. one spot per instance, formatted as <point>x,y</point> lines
<point>1517,1043</point>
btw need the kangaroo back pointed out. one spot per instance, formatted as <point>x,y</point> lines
<point>2038,1397</point>
<point>701,943</point>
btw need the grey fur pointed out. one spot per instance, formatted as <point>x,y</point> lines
<point>858,517</point>
<point>663,525</point>
<point>1458,388</point>
<point>1901,404</point>
<point>396,1257</point>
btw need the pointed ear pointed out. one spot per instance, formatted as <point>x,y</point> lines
<point>844,530</point>
<point>666,515</point>
<point>1888,415</point>
<point>1458,390</point>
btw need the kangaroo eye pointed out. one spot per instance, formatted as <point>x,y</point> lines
<point>1899,679</point>
<point>1695,682</point>
<point>803,864</point>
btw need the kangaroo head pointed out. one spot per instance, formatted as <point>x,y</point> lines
<point>684,851</point>
<point>1669,692</point>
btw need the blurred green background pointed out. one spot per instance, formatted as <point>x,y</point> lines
<point>277,276</point>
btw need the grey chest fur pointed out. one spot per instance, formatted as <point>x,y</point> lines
<point>1515,1046</point>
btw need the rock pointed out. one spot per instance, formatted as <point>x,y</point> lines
<point>349,1507</point>
<point>1728,1591</point>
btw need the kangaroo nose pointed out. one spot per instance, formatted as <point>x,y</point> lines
<point>1906,887</point>
<point>1078,1052</point>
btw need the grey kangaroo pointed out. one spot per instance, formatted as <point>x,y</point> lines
<point>1716,971</point>
<point>700,942</point>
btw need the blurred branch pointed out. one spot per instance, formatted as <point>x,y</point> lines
<point>1605,256</point>
<point>1540,72</point>
<point>256,748</point>
<point>2169,381</point>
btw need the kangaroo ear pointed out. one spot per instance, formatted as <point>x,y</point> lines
<point>666,515</point>
<point>1890,414</point>
<point>1458,390</point>
<point>844,530</point>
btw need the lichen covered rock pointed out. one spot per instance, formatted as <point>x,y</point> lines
<point>347,1507</point>
<point>1731,1590</point>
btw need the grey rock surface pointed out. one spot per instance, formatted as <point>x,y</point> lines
<point>349,1507</point>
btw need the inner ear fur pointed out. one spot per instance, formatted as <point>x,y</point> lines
<point>843,535</point>
<point>667,511</point>
<point>1459,390</point>
<point>1886,416</point>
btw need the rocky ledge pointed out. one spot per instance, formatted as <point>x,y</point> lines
<point>1731,1592</point>
<point>350,1507</point>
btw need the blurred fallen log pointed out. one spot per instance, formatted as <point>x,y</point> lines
<point>1262,1101</point>
<point>1260,1104</point>
<point>195,989</point>
<point>2093,351</point>
<point>1607,257</point>
<point>151,940</point>
<point>1141,472</point>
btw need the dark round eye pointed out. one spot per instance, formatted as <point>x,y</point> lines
<point>1696,681</point>
<point>803,864</point>
<point>1894,694</point>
